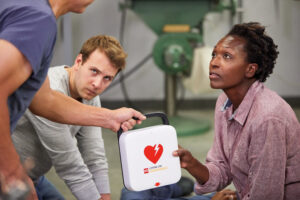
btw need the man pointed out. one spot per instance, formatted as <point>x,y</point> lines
<point>27,36</point>
<point>76,152</point>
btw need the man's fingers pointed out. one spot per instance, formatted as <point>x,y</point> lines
<point>138,116</point>
<point>132,122</point>
<point>124,127</point>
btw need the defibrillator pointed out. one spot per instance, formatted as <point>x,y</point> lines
<point>146,155</point>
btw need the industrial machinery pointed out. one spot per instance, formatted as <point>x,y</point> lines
<point>178,25</point>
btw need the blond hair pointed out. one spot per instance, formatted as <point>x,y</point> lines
<point>108,45</point>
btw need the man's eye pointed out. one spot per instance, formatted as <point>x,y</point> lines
<point>108,78</point>
<point>94,71</point>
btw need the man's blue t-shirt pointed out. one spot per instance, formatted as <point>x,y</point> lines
<point>30,26</point>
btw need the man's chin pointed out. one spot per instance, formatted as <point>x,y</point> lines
<point>88,97</point>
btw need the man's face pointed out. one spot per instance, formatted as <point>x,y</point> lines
<point>228,65</point>
<point>94,76</point>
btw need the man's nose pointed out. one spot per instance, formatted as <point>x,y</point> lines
<point>97,82</point>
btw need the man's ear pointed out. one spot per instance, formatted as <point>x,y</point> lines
<point>251,69</point>
<point>78,61</point>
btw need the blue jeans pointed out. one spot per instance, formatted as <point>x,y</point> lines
<point>168,192</point>
<point>46,190</point>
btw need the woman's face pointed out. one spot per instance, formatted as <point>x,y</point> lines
<point>227,68</point>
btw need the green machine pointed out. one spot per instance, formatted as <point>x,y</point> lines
<point>178,25</point>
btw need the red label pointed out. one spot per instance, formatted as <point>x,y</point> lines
<point>146,171</point>
<point>157,184</point>
<point>153,153</point>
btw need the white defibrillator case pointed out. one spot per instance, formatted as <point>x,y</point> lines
<point>146,156</point>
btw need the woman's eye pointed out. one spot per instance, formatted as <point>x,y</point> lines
<point>227,56</point>
<point>213,54</point>
<point>94,71</point>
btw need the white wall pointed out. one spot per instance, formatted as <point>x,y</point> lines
<point>104,17</point>
<point>282,20</point>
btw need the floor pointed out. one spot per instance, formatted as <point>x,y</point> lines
<point>198,144</point>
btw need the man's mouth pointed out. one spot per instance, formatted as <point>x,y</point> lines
<point>91,92</point>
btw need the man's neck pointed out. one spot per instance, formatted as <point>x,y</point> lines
<point>58,7</point>
<point>72,86</point>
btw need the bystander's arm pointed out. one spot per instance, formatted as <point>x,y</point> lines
<point>63,109</point>
<point>14,70</point>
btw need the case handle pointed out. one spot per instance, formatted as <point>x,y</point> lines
<point>163,117</point>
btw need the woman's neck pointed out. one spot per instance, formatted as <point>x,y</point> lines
<point>237,94</point>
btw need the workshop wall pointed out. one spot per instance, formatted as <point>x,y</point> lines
<point>147,83</point>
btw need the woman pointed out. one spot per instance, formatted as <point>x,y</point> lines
<point>257,135</point>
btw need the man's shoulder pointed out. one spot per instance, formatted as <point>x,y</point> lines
<point>56,70</point>
<point>33,16</point>
<point>58,78</point>
<point>33,19</point>
<point>26,8</point>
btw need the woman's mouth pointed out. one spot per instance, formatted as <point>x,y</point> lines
<point>213,75</point>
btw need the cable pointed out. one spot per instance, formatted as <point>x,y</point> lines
<point>122,76</point>
<point>131,71</point>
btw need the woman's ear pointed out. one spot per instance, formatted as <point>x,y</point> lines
<point>251,69</point>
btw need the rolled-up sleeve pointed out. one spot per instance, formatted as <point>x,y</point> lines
<point>218,167</point>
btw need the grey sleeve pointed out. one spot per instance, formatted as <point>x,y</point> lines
<point>65,156</point>
<point>91,146</point>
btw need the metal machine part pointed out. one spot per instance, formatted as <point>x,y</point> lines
<point>173,52</point>
<point>175,22</point>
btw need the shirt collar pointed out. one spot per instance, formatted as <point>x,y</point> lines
<point>241,113</point>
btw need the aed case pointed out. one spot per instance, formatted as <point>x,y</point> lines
<point>146,156</point>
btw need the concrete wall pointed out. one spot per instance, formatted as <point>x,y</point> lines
<point>104,17</point>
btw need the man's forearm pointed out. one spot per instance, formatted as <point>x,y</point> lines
<point>58,107</point>
<point>9,159</point>
<point>63,109</point>
<point>12,173</point>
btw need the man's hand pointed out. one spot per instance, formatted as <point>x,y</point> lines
<point>105,197</point>
<point>123,118</point>
<point>225,194</point>
<point>19,186</point>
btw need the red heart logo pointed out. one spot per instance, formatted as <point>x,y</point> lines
<point>153,153</point>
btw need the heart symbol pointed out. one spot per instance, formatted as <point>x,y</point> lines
<point>153,153</point>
